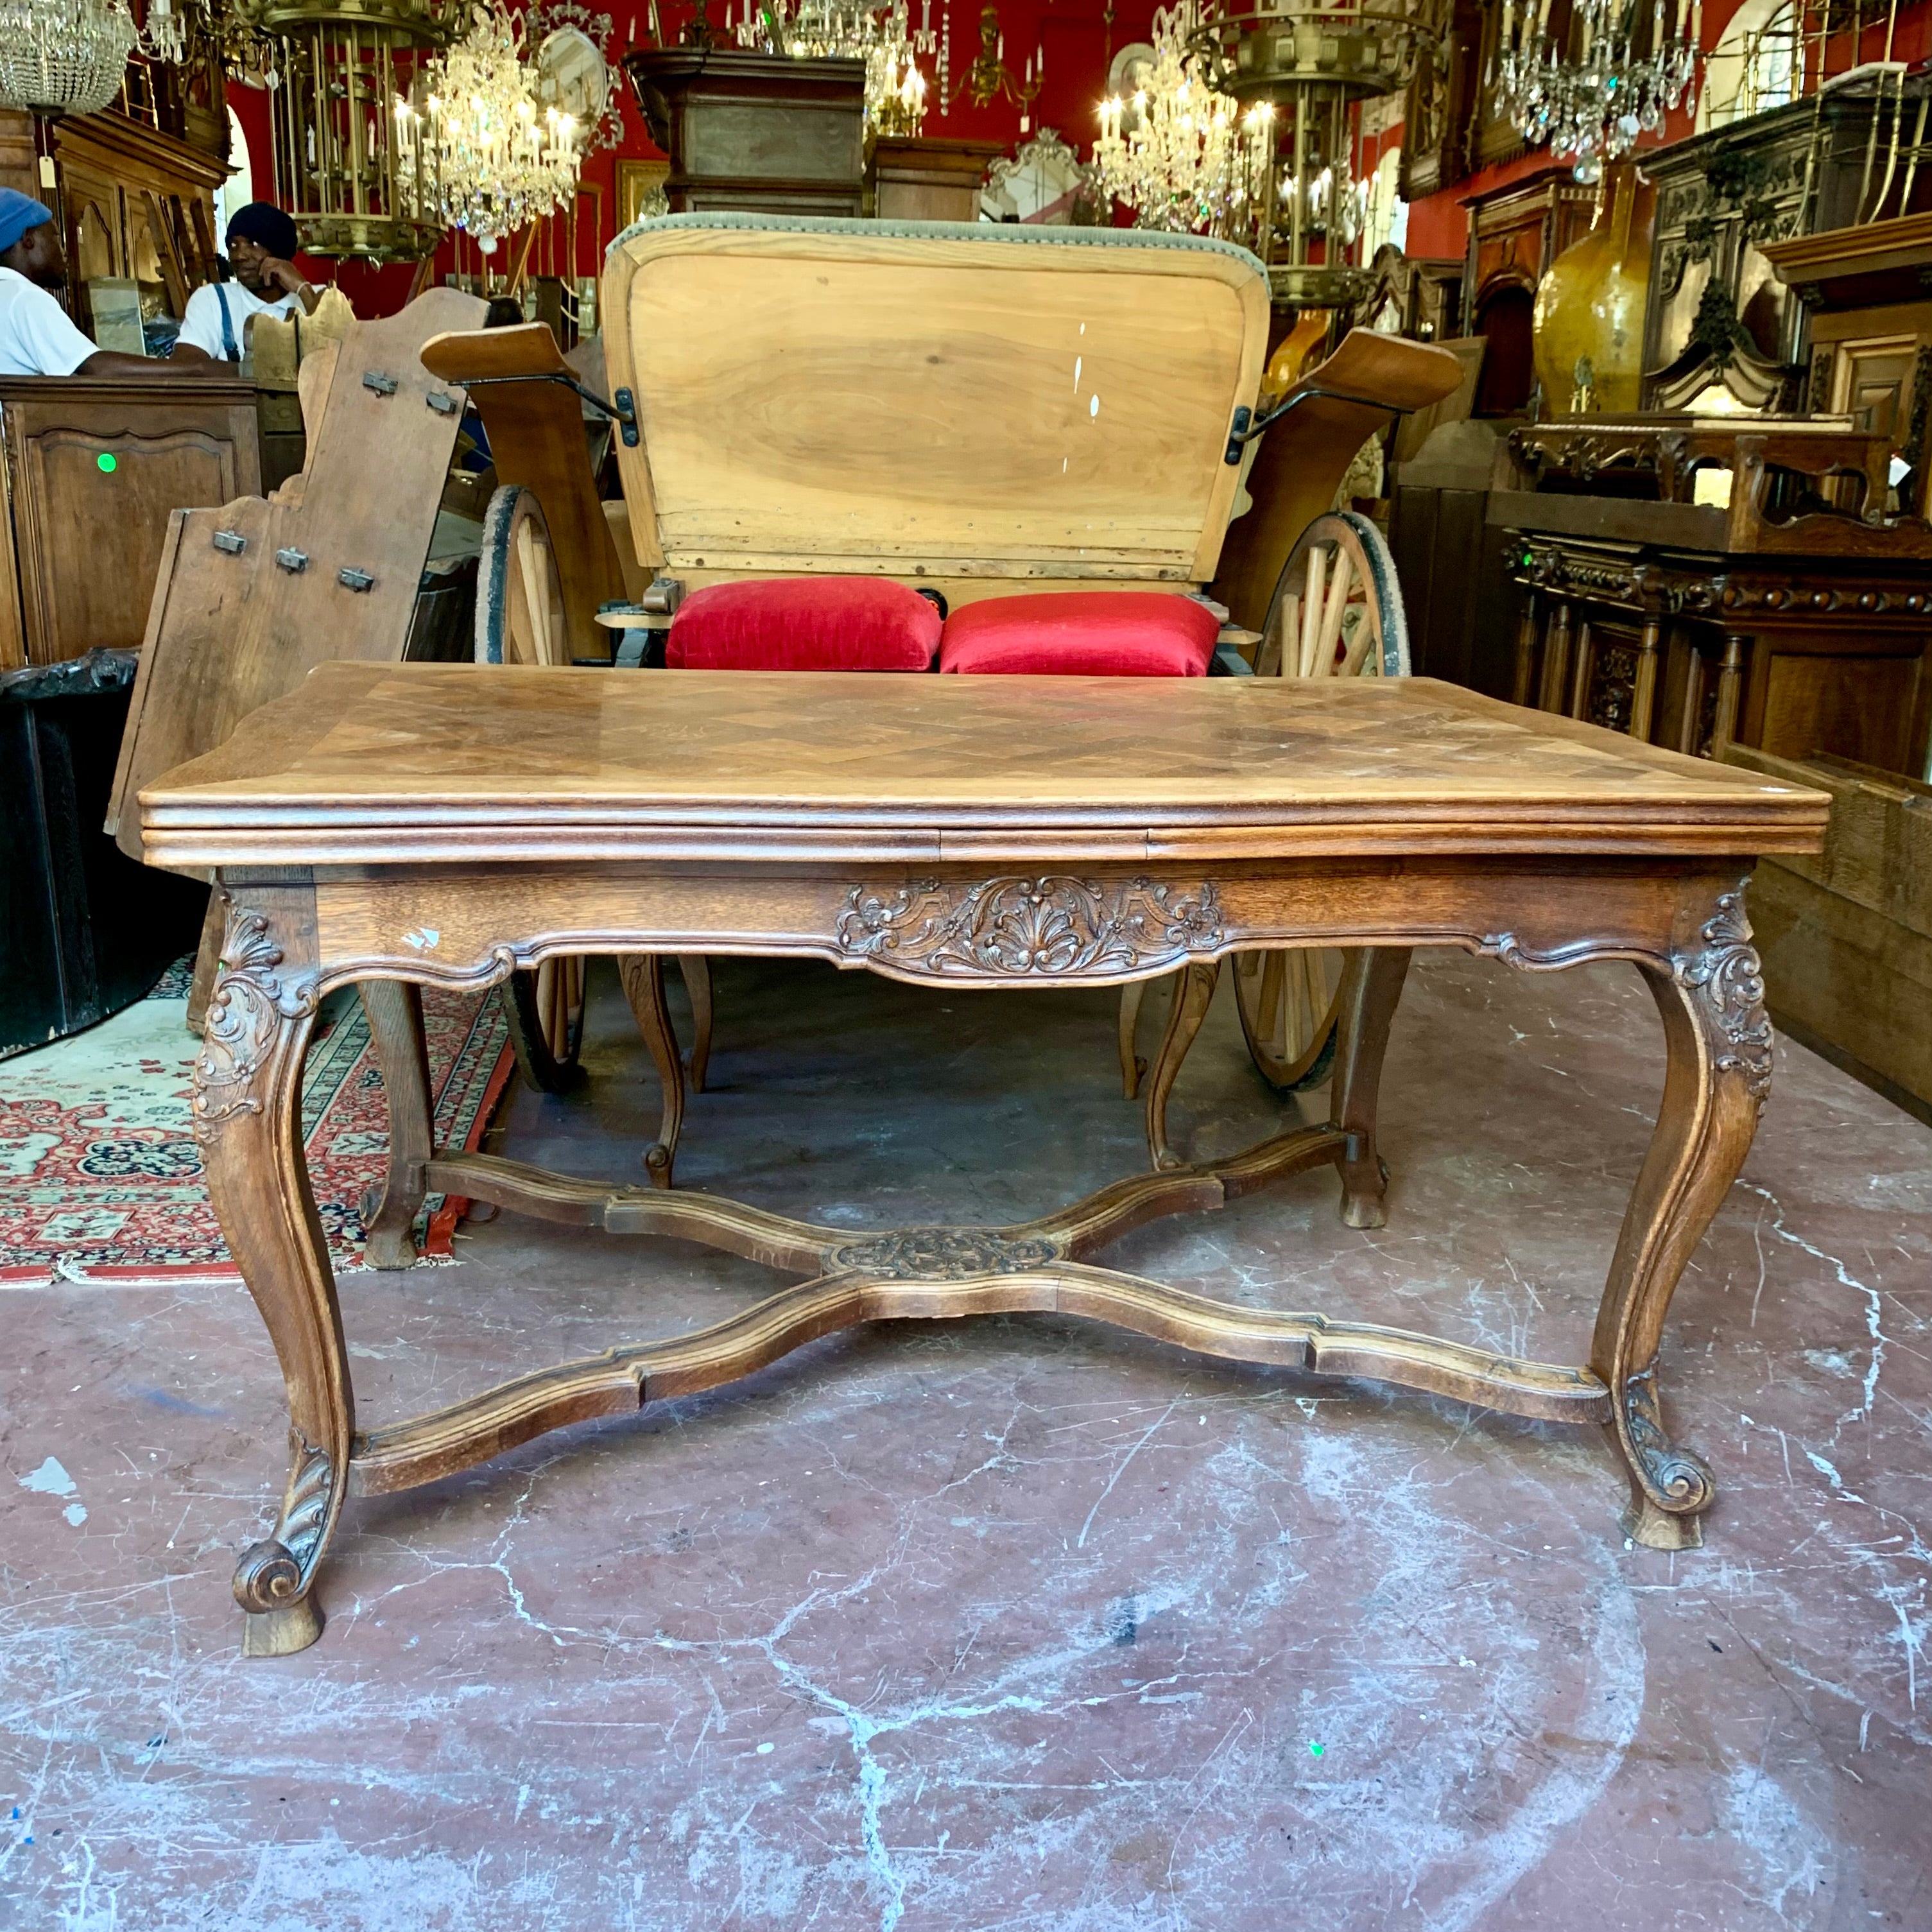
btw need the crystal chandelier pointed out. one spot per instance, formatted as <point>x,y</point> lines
<point>164,33</point>
<point>478,152</point>
<point>1183,156</point>
<point>881,37</point>
<point>63,56</point>
<point>1590,92</point>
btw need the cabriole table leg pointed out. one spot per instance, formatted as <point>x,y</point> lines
<point>247,1119</point>
<point>1193,994</point>
<point>642,975</point>
<point>395,1010</point>
<point>1371,989</point>
<point>1718,1041</point>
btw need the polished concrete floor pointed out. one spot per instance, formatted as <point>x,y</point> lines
<point>1019,1623</point>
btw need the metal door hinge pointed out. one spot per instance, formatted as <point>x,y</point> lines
<point>355,580</point>
<point>382,385</point>
<point>626,413</point>
<point>233,541</point>
<point>1238,435</point>
<point>442,402</point>
<point>292,560</point>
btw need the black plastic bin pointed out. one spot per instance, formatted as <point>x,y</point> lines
<point>84,930</point>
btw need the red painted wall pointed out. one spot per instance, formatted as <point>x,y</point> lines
<point>1074,36</point>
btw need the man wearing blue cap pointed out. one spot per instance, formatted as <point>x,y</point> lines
<point>261,238</point>
<point>36,337</point>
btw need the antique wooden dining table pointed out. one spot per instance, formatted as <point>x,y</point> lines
<point>400,825</point>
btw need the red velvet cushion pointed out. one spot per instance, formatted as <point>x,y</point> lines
<point>1083,634</point>
<point>804,623</point>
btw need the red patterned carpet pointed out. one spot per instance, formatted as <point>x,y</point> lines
<point>100,1177</point>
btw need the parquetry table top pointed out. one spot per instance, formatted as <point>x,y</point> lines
<point>424,763</point>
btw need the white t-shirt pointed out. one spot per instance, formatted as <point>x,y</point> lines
<point>202,324</point>
<point>36,337</point>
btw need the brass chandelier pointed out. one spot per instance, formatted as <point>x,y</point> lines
<point>1243,127</point>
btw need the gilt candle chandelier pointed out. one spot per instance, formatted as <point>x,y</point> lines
<point>1184,157</point>
<point>1591,91</point>
<point>479,152</point>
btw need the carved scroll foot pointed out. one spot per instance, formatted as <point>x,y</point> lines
<point>1371,989</point>
<point>1717,1074</point>
<point>1670,1488</point>
<point>1193,992</point>
<point>395,1010</point>
<point>643,975</point>
<point>247,1119</point>
<point>273,1580</point>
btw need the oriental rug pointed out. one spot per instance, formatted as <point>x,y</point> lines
<point>101,1179</point>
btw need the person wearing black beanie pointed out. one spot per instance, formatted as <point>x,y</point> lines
<point>261,238</point>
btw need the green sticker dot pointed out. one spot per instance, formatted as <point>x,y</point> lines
<point>1314,1749</point>
<point>107,462</point>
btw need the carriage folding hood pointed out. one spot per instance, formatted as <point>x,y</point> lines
<point>987,409</point>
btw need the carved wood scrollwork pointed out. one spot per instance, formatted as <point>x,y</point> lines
<point>274,1573</point>
<point>1725,976</point>
<point>943,1254</point>
<point>1684,1478</point>
<point>1029,928</point>
<point>245,1015</point>
<point>1728,977</point>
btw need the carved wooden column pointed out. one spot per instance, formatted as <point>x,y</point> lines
<point>247,1119</point>
<point>1730,686</point>
<point>1555,659</point>
<point>1526,652</point>
<point>1585,672</point>
<point>1643,696</point>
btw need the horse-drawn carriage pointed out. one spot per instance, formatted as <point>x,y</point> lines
<point>987,415</point>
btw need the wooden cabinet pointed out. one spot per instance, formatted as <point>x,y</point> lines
<point>92,470</point>
<point>915,179</point>
<point>1863,292</point>
<point>1732,202</point>
<point>761,132</point>
<point>1631,622</point>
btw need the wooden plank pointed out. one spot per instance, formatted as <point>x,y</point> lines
<point>234,630</point>
<point>1859,984</point>
<point>1878,852</point>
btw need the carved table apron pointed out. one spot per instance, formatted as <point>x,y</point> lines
<point>400,826</point>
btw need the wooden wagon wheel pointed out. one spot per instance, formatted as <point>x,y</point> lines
<point>1336,612</point>
<point>520,610</point>
<point>520,620</point>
